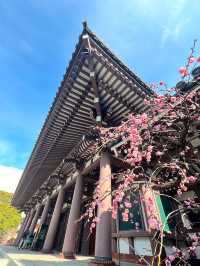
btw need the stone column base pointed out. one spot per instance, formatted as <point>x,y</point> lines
<point>45,251</point>
<point>68,256</point>
<point>101,263</point>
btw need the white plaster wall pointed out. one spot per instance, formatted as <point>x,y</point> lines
<point>198,252</point>
<point>142,246</point>
<point>124,245</point>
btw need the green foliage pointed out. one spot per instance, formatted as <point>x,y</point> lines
<point>5,197</point>
<point>9,216</point>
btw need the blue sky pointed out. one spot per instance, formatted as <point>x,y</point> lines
<point>37,38</point>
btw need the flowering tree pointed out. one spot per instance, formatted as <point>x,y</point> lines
<point>161,146</point>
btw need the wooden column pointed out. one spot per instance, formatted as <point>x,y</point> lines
<point>103,242</point>
<point>72,225</point>
<point>27,227</point>
<point>45,211</point>
<point>48,244</point>
<point>21,230</point>
<point>35,219</point>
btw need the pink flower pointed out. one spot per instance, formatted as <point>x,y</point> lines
<point>168,262</point>
<point>146,102</point>
<point>148,157</point>
<point>173,99</point>
<point>172,258</point>
<point>162,83</point>
<point>195,238</point>
<point>114,215</point>
<point>198,59</point>
<point>150,148</point>
<point>90,214</point>
<point>193,248</point>
<point>93,225</point>
<point>191,60</point>
<point>153,223</point>
<point>183,71</point>
<point>159,153</point>
<point>133,132</point>
<point>179,192</point>
<point>184,188</point>
<point>144,118</point>
<point>159,102</point>
<point>127,204</point>
<point>118,198</point>
<point>192,179</point>
<point>125,216</point>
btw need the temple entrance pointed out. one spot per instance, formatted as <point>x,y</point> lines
<point>41,230</point>
<point>86,240</point>
<point>58,243</point>
<point>92,243</point>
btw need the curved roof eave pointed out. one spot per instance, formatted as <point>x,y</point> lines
<point>70,110</point>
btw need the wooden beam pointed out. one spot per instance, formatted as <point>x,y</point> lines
<point>120,163</point>
<point>132,233</point>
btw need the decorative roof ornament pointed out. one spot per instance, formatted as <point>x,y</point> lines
<point>196,73</point>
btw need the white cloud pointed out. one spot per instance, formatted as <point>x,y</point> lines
<point>9,178</point>
<point>178,7</point>
<point>174,31</point>
<point>176,21</point>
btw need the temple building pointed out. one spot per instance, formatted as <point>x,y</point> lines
<point>62,172</point>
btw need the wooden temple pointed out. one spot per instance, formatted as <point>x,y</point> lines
<point>60,176</point>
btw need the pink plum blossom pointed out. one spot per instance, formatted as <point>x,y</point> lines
<point>168,262</point>
<point>162,83</point>
<point>173,99</point>
<point>146,102</point>
<point>191,60</point>
<point>183,71</point>
<point>128,204</point>
<point>192,179</point>
<point>172,257</point>
<point>153,223</point>
<point>179,192</point>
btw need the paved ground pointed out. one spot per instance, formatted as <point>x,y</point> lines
<point>11,256</point>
